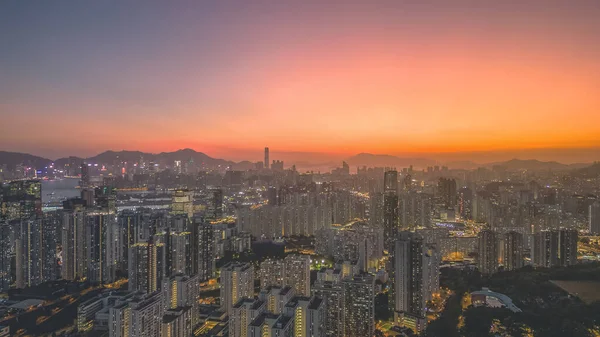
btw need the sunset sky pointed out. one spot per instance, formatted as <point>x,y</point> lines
<point>336,77</point>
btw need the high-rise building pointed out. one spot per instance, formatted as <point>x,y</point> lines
<point>129,224</point>
<point>513,250</point>
<point>487,259</point>
<point>21,199</point>
<point>545,249</point>
<point>74,253</point>
<point>182,291</point>
<point>6,244</point>
<point>297,273</point>
<point>182,203</point>
<point>267,158</point>
<point>102,246</point>
<point>567,247</point>
<point>272,273</point>
<point>376,209</point>
<point>447,192</point>
<point>28,254</point>
<point>35,248</point>
<point>215,206</point>
<point>272,196</point>
<point>202,259</point>
<point>276,298</point>
<point>594,218</point>
<point>390,209</point>
<point>145,266</point>
<point>415,210</point>
<point>416,279</point>
<point>390,225</point>
<point>329,287</point>
<point>136,316</point>
<point>179,247</point>
<point>85,176</point>
<point>177,322</point>
<point>267,324</point>
<point>308,314</point>
<point>358,306</point>
<point>237,282</point>
<point>243,313</point>
<point>293,271</point>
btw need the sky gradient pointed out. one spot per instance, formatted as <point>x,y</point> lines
<point>338,77</point>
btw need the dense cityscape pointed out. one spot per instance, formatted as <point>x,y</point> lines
<point>314,168</point>
<point>110,247</point>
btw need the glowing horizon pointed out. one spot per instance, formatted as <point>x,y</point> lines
<point>389,78</point>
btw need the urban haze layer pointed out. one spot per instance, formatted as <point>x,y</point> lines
<point>181,244</point>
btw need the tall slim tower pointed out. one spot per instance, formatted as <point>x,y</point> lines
<point>545,249</point>
<point>567,247</point>
<point>390,209</point>
<point>513,250</point>
<point>594,218</point>
<point>416,279</point>
<point>144,271</point>
<point>488,252</point>
<point>266,157</point>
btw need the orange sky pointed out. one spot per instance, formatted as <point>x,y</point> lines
<point>362,78</point>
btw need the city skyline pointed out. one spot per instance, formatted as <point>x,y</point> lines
<point>328,78</point>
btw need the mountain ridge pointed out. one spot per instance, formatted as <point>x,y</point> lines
<point>12,159</point>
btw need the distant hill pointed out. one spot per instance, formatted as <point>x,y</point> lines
<point>12,159</point>
<point>592,171</point>
<point>184,155</point>
<point>535,165</point>
<point>110,157</point>
<point>384,160</point>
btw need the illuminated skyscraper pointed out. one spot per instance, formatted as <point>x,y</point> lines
<point>390,226</point>
<point>329,287</point>
<point>6,244</point>
<point>308,314</point>
<point>182,291</point>
<point>85,176</point>
<point>183,203</point>
<point>35,251</point>
<point>488,252</point>
<point>215,205</point>
<point>129,224</point>
<point>21,199</point>
<point>297,273</point>
<point>243,313</point>
<point>102,246</point>
<point>237,282</point>
<point>513,250</point>
<point>74,252</point>
<point>358,306</point>
<point>416,279</point>
<point>145,266</point>
<point>567,247</point>
<point>276,298</point>
<point>202,258</point>
<point>28,251</point>
<point>545,249</point>
<point>390,209</point>
<point>447,192</point>
<point>594,218</point>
